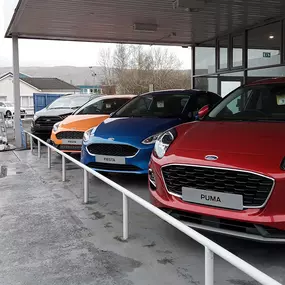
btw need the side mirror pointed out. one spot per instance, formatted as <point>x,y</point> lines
<point>203,111</point>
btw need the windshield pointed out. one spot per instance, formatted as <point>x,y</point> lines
<point>68,102</point>
<point>252,103</point>
<point>155,105</point>
<point>8,104</point>
<point>102,106</point>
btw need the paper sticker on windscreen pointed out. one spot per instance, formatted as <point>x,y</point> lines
<point>160,104</point>
<point>280,100</point>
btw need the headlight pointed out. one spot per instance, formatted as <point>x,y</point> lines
<point>151,139</point>
<point>55,127</point>
<point>163,142</point>
<point>35,117</point>
<point>87,134</point>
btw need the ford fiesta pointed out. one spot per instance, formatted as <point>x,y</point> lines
<point>124,142</point>
<point>226,173</point>
<point>67,135</point>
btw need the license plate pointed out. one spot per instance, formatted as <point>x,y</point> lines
<point>212,198</point>
<point>110,159</point>
<point>72,142</point>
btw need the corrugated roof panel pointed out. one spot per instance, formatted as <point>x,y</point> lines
<point>112,20</point>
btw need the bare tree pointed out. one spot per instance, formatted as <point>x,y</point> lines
<point>133,68</point>
<point>106,62</point>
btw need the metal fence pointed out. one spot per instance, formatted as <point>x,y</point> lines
<point>211,247</point>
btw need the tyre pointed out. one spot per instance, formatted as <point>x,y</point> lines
<point>8,114</point>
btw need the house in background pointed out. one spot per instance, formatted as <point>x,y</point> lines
<point>90,89</point>
<point>30,85</point>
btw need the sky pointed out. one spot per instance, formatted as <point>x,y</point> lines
<point>57,53</point>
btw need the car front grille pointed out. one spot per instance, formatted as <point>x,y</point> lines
<point>254,188</point>
<point>69,147</point>
<point>47,121</point>
<point>69,135</point>
<point>62,117</point>
<point>114,167</point>
<point>112,149</point>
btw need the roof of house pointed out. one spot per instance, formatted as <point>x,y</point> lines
<point>49,83</point>
<point>22,75</point>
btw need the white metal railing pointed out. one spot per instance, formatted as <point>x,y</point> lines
<point>211,247</point>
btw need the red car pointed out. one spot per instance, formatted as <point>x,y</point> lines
<point>226,172</point>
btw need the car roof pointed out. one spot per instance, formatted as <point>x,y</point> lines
<point>77,95</point>
<point>181,91</point>
<point>117,96</point>
<point>267,81</point>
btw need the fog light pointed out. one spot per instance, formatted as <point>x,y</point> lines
<point>151,178</point>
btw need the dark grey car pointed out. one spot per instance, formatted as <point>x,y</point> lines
<point>58,110</point>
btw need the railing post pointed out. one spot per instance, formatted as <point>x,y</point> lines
<point>49,158</point>
<point>39,149</point>
<point>209,267</point>
<point>63,169</point>
<point>31,143</point>
<point>125,217</point>
<point>86,187</point>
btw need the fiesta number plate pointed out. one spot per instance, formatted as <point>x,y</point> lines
<point>212,198</point>
<point>110,159</point>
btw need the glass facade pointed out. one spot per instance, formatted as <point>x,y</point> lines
<point>237,54</point>
<point>206,83</point>
<point>223,52</point>
<point>264,45</point>
<point>205,58</point>
<point>225,63</point>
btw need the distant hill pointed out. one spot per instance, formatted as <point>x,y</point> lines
<point>70,74</point>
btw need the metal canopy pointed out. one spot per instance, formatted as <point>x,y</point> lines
<point>113,20</point>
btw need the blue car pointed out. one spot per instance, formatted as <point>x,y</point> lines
<point>124,142</point>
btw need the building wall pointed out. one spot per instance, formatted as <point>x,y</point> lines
<point>90,89</point>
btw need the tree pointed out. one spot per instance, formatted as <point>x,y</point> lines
<point>132,68</point>
<point>106,62</point>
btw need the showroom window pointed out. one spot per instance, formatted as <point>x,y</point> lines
<point>264,45</point>
<point>237,51</point>
<point>205,58</point>
<point>259,74</point>
<point>223,53</point>
<point>207,83</point>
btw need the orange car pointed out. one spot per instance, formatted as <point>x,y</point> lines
<point>67,135</point>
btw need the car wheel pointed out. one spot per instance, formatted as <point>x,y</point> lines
<point>8,114</point>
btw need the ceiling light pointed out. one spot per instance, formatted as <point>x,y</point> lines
<point>143,27</point>
<point>189,5</point>
<point>271,37</point>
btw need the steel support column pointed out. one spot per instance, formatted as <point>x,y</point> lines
<point>16,83</point>
<point>193,67</point>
